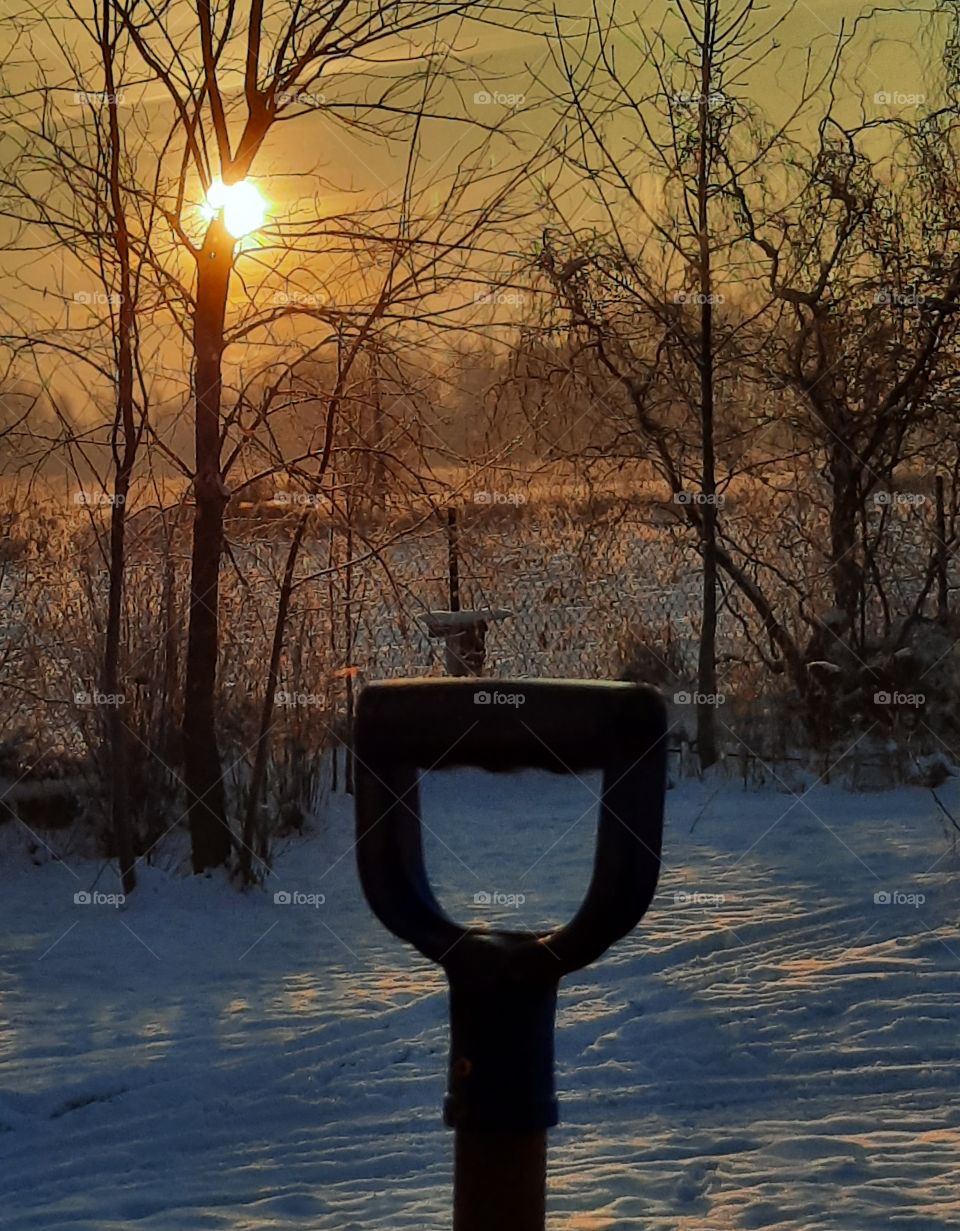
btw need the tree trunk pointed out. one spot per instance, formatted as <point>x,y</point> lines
<point>942,557</point>
<point>124,456</point>
<point>171,742</point>
<point>707,658</point>
<point>348,635</point>
<point>846,576</point>
<point>203,776</point>
<point>116,727</point>
<point>250,827</point>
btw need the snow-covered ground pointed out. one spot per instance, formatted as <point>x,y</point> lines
<point>786,1057</point>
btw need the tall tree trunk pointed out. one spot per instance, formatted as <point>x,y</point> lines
<point>251,828</point>
<point>124,443</point>
<point>378,475</point>
<point>707,658</point>
<point>203,774</point>
<point>171,743</point>
<point>116,726</point>
<point>348,635</point>
<point>942,556</point>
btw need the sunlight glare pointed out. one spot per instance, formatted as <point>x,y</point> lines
<point>244,209</point>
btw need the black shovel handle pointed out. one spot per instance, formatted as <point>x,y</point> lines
<point>503,985</point>
<point>407,727</point>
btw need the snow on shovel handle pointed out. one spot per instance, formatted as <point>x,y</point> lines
<point>503,985</point>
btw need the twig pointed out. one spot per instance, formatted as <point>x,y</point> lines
<point>706,805</point>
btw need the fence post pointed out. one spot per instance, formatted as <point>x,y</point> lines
<point>453,558</point>
<point>943,593</point>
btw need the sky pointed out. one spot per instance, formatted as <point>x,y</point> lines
<point>890,55</point>
<point>312,165</point>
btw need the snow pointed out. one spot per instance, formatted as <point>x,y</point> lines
<point>772,1048</point>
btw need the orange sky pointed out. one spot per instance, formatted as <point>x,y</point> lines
<point>312,163</point>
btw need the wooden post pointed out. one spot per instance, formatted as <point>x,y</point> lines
<point>453,558</point>
<point>943,594</point>
<point>499,1181</point>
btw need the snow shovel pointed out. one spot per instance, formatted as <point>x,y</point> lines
<point>503,985</point>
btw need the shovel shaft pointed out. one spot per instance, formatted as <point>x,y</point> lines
<point>499,1181</point>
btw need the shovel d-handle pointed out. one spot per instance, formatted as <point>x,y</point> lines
<point>503,985</point>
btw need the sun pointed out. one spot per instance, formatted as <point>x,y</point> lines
<point>244,209</point>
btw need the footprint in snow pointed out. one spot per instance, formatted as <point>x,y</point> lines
<point>695,1183</point>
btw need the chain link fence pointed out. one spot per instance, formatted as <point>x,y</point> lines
<point>588,588</point>
<point>595,592</point>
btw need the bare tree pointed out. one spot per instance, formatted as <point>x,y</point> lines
<point>68,183</point>
<point>376,75</point>
<point>282,56</point>
<point>863,332</point>
<point>808,269</point>
<point>647,309</point>
<point>125,440</point>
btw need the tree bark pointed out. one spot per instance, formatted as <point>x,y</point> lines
<point>845,573</point>
<point>250,826</point>
<point>707,657</point>
<point>942,556</point>
<point>171,733</point>
<point>116,726</point>
<point>203,774</point>
<point>124,455</point>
